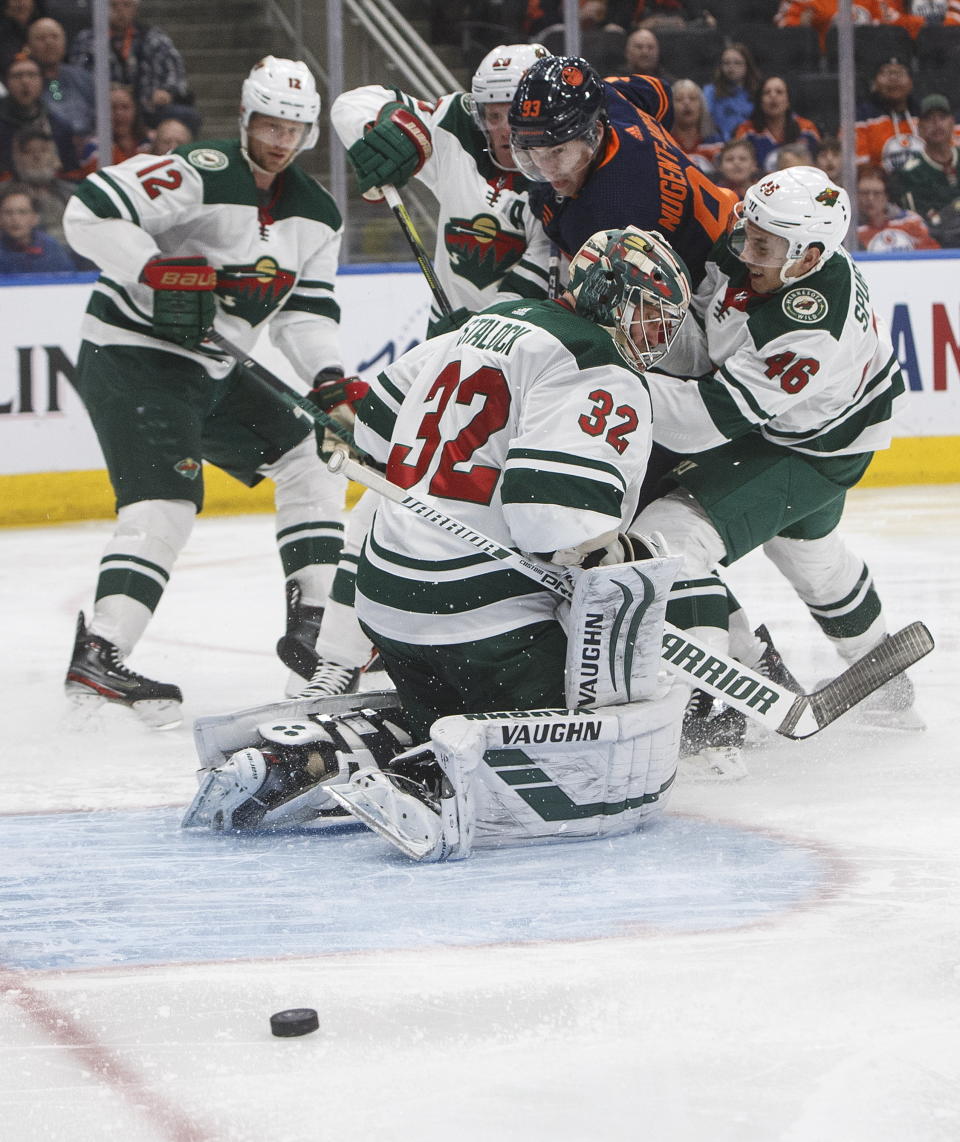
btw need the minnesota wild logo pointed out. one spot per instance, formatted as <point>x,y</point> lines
<point>828,196</point>
<point>254,291</point>
<point>188,467</point>
<point>479,250</point>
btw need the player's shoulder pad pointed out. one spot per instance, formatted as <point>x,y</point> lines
<point>819,302</point>
<point>313,201</point>
<point>588,343</point>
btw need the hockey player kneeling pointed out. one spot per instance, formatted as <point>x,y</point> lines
<point>531,424</point>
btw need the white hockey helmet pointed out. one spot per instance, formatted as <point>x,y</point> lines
<point>497,77</point>
<point>283,89</point>
<point>802,205</point>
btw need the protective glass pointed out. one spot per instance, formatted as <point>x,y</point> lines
<point>562,163</point>
<point>757,247</point>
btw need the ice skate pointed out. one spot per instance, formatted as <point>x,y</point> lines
<point>711,740</point>
<point>330,679</point>
<point>297,648</point>
<point>892,707</point>
<point>97,675</point>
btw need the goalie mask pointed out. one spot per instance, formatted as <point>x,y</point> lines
<point>495,82</point>
<point>281,89</point>
<point>634,285</point>
<point>800,205</point>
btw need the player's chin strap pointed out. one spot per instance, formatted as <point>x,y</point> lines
<point>792,715</point>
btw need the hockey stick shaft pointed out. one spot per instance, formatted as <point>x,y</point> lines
<point>298,405</point>
<point>402,215</point>
<point>553,273</point>
<point>792,715</point>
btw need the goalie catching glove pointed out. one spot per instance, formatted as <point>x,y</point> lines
<point>338,397</point>
<point>392,150</point>
<point>183,301</point>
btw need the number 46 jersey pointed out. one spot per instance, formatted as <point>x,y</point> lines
<point>810,366</point>
<point>525,424</point>
<point>275,254</point>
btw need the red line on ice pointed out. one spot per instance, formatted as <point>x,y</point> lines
<point>60,1026</point>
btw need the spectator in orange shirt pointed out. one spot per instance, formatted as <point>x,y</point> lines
<point>915,14</point>
<point>820,14</point>
<point>883,225</point>
<point>773,123</point>
<point>887,131</point>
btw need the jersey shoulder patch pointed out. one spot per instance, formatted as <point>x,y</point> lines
<point>207,158</point>
<point>821,302</point>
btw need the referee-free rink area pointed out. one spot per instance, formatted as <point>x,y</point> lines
<point>776,960</point>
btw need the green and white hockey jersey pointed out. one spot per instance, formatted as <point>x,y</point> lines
<point>276,255</point>
<point>811,366</point>
<point>526,425</point>
<point>489,245</point>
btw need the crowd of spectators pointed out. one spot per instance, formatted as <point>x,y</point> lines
<point>744,102</point>
<point>756,89</point>
<point>47,117</point>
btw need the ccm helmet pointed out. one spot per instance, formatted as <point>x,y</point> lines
<point>619,277</point>
<point>802,205</point>
<point>560,98</point>
<point>285,89</point>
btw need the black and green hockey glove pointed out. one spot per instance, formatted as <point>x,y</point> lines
<point>183,301</point>
<point>392,150</point>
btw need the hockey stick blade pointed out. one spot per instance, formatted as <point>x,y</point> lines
<point>889,658</point>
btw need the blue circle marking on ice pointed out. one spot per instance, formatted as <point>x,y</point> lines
<point>124,888</point>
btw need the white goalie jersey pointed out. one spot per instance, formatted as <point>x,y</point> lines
<point>489,245</point>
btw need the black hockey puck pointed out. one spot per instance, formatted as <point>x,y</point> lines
<point>296,1021</point>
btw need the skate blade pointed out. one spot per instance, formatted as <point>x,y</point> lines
<point>908,720</point>
<point>158,713</point>
<point>83,710</point>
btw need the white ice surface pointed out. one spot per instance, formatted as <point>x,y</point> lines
<point>779,960</point>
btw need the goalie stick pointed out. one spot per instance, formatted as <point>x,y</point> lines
<point>402,215</point>
<point>794,716</point>
<point>298,405</point>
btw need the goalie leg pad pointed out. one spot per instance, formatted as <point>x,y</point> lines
<point>615,628</point>
<point>543,775</point>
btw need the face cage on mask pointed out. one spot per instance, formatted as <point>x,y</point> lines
<point>637,307</point>
<point>526,164</point>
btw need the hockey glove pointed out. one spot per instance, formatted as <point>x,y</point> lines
<point>392,150</point>
<point>183,301</point>
<point>450,321</point>
<point>337,396</point>
<point>607,549</point>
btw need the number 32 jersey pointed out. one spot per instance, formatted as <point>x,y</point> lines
<point>275,253</point>
<point>526,425</point>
